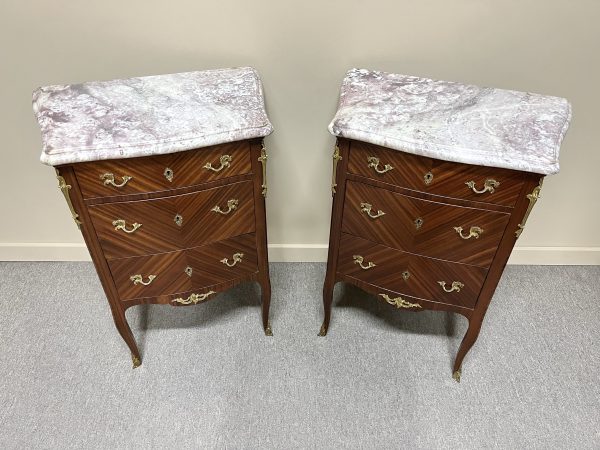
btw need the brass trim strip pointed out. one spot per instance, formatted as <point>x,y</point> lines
<point>263,161</point>
<point>65,188</point>
<point>336,158</point>
<point>193,298</point>
<point>533,198</point>
<point>399,302</point>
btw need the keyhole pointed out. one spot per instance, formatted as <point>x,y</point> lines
<point>428,178</point>
<point>418,223</point>
<point>169,174</point>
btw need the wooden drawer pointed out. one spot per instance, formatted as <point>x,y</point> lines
<point>163,172</point>
<point>435,176</point>
<point>185,270</point>
<point>421,226</point>
<point>159,228</point>
<point>410,274</point>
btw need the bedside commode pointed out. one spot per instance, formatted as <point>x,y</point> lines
<point>433,183</point>
<point>166,178</point>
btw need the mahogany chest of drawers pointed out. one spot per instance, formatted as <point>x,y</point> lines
<point>182,224</point>
<point>423,232</point>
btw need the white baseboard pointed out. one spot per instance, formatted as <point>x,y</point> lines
<point>299,253</point>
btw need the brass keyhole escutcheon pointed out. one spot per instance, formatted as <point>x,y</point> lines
<point>428,178</point>
<point>178,219</point>
<point>188,271</point>
<point>418,222</point>
<point>168,173</point>
<point>406,275</point>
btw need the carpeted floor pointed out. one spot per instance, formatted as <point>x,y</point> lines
<point>380,379</point>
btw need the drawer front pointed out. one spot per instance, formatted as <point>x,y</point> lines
<point>464,181</point>
<point>437,230</point>
<point>417,276</point>
<point>174,223</point>
<point>185,270</point>
<point>163,172</point>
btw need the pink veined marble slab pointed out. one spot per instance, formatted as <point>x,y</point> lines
<point>149,115</point>
<point>452,121</point>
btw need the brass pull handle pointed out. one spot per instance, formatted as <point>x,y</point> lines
<point>374,163</point>
<point>399,302</point>
<point>489,185</point>
<point>139,279</point>
<point>474,232</point>
<point>336,158</point>
<point>193,298</point>
<point>360,261</point>
<point>232,205</point>
<point>120,224</point>
<point>224,160</point>
<point>237,257</point>
<point>366,208</point>
<point>109,180</point>
<point>263,161</point>
<point>456,286</point>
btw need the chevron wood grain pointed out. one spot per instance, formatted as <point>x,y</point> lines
<point>446,178</point>
<point>435,237</point>
<point>147,174</point>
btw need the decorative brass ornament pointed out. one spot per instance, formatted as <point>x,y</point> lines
<point>419,223</point>
<point>489,185</point>
<point>178,219</point>
<point>263,161</point>
<point>474,232</point>
<point>399,302</point>
<point>456,286</point>
<point>428,178</point>
<point>232,205</point>
<point>533,198</point>
<point>109,180</point>
<point>136,361</point>
<point>336,158</point>
<point>456,375</point>
<point>406,275</point>
<point>188,271</point>
<point>373,162</point>
<point>120,224</point>
<point>237,257</point>
<point>366,208</point>
<point>65,188</point>
<point>193,298</point>
<point>168,173</point>
<point>269,330</point>
<point>224,160</point>
<point>139,279</point>
<point>360,261</point>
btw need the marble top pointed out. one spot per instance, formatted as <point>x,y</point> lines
<point>452,121</point>
<point>149,115</point>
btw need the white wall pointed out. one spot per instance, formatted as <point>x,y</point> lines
<point>302,50</point>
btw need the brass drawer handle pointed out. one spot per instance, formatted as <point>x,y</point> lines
<point>489,185</point>
<point>224,160</point>
<point>474,232</point>
<point>139,279</point>
<point>366,208</point>
<point>237,257</point>
<point>360,261</point>
<point>399,302</point>
<point>374,164</point>
<point>232,205</point>
<point>120,224</point>
<point>193,298</point>
<point>109,180</point>
<point>456,286</point>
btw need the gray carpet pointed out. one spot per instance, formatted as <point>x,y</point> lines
<point>380,379</point>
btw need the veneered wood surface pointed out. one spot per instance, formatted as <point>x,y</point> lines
<point>436,237</point>
<point>170,268</point>
<point>148,172</point>
<point>448,180</point>
<point>423,273</point>
<point>159,231</point>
